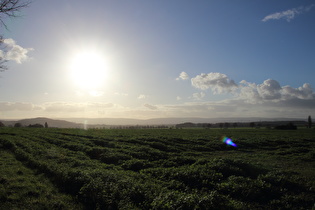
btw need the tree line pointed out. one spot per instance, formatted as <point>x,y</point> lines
<point>19,125</point>
<point>283,125</point>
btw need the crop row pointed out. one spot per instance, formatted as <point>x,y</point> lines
<point>167,169</point>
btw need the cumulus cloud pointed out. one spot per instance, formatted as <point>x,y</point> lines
<point>248,92</point>
<point>183,76</point>
<point>217,82</point>
<point>304,92</point>
<point>14,52</point>
<point>270,90</point>
<point>288,15</point>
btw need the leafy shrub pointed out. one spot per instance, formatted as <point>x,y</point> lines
<point>7,144</point>
<point>182,160</point>
<point>146,153</point>
<point>227,168</point>
<point>180,200</point>
<point>96,152</point>
<point>191,177</point>
<point>136,165</point>
<point>114,158</point>
<point>247,189</point>
<point>159,146</point>
<point>170,169</point>
<point>103,143</point>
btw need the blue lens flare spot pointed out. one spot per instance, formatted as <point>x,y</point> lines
<point>228,141</point>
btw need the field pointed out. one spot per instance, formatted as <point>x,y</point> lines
<point>47,168</point>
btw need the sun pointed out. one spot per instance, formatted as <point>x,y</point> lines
<point>88,69</point>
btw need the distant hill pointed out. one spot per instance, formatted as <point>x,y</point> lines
<point>170,121</point>
<point>100,122</point>
<point>42,120</point>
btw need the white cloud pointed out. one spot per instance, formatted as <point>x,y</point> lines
<point>99,105</point>
<point>14,52</point>
<point>178,98</point>
<point>96,93</point>
<point>18,106</point>
<point>217,82</point>
<point>199,96</point>
<point>248,92</point>
<point>120,94</point>
<point>142,96</point>
<point>304,92</point>
<point>270,90</point>
<point>149,106</point>
<point>288,14</point>
<point>64,107</point>
<point>183,76</point>
<point>266,99</point>
<point>236,107</point>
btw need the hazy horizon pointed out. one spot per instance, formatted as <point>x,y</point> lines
<point>159,59</point>
<point>174,120</point>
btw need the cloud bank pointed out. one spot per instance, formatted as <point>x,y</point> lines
<point>265,98</point>
<point>13,52</point>
<point>246,99</point>
<point>288,15</point>
<point>270,90</point>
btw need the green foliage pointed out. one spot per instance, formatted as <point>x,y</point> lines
<point>22,188</point>
<point>158,169</point>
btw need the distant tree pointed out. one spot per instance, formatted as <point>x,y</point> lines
<point>226,125</point>
<point>37,125</point>
<point>221,125</point>
<point>1,124</point>
<point>186,125</point>
<point>309,121</point>
<point>46,125</point>
<point>17,125</point>
<point>235,125</point>
<point>9,8</point>
<point>289,126</point>
<point>252,124</point>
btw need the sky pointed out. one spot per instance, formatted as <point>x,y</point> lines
<point>155,59</point>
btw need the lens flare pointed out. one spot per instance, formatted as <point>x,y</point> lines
<point>228,141</point>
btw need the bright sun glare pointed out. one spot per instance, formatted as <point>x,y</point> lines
<point>88,70</point>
